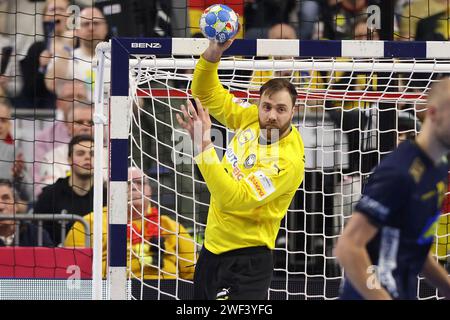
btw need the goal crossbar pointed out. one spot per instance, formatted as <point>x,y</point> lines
<point>313,94</point>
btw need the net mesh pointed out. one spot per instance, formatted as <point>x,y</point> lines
<point>350,112</point>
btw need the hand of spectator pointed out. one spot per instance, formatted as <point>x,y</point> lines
<point>45,58</point>
<point>18,167</point>
<point>4,80</point>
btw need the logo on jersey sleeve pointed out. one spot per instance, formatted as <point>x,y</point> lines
<point>261,184</point>
<point>417,169</point>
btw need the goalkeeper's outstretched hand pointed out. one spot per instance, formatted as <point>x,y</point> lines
<point>197,123</point>
<point>216,49</point>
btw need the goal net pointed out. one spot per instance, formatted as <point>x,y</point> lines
<point>356,101</point>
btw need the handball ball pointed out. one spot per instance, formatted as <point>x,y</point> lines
<point>219,22</point>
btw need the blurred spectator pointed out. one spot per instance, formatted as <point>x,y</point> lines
<point>55,163</point>
<point>77,64</point>
<point>5,77</point>
<point>60,132</point>
<point>361,32</point>
<point>28,232</point>
<point>416,10</point>
<point>169,240</point>
<point>260,15</point>
<point>435,27</point>
<point>340,17</point>
<point>34,93</point>
<point>67,94</point>
<point>73,194</point>
<point>12,165</point>
<point>308,16</point>
<point>282,31</point>
<point>277,31</point>
<point>19,26</point>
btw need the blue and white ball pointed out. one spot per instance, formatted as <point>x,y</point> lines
<point>219,22</point>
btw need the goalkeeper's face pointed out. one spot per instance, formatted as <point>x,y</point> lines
<point>275,114</point>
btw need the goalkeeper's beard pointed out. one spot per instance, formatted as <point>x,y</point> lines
<point>272,133</point>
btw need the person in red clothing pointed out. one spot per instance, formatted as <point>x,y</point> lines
<point>160,246</point>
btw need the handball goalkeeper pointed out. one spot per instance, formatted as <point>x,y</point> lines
<point>251,187</point>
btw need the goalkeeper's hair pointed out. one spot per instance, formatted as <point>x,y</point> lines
<point>278,84</point>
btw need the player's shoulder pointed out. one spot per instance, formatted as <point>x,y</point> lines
<point>406,154</point>
<point>408,161</point>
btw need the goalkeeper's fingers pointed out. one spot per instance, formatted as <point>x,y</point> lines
<point>183,122</point>
<point>191,110</point>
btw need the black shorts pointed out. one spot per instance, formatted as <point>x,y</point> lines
<point>242,274</point>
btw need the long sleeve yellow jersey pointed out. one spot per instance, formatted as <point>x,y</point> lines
<point>253,186</point>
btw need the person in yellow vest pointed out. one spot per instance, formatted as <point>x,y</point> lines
<point>251,187</point>
<point>159,246</point>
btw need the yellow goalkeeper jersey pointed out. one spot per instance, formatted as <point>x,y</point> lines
<point>253,186</point>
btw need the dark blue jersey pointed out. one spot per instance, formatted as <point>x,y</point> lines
<point>403,198</point>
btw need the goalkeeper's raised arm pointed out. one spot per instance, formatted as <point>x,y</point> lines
<point>222,105</point>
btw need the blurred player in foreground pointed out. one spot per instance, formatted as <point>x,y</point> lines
<point>386,243</point>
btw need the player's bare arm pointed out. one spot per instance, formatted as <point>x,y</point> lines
<point>354,258</point>
<point>436,275</point>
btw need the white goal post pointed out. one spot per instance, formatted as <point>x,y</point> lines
<point>356,99</point>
